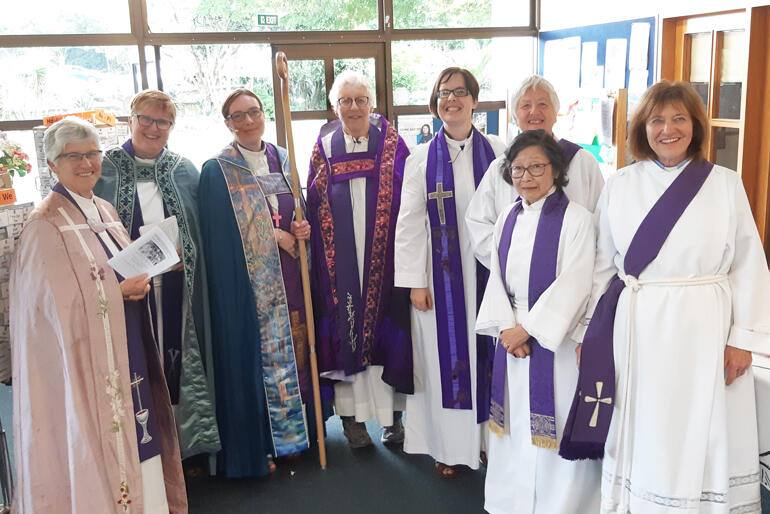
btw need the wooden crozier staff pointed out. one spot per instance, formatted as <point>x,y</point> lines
<point>282,68</point>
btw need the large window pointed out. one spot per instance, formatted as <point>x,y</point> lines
<point>260,15</point>
<point>70,17</point>
<point>97,54</point>
<point>416,14</point>
<point>49,80</point>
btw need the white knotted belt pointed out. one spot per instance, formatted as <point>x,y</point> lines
<point>634,284</point>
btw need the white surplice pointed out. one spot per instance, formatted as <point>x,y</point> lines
<point>367,396</point>
<point>523,478</point>
<point>450,436</point>
<point>495,194</point>
<point>688,443</point>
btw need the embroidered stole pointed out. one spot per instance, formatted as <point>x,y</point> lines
<point>357,305</point>
<point>137,333</point>
<point>451,318</point>
<point>589,422</point>
<point>263,263</point>
<point>542,273</point>
<point>130,213</point>
<point>276,183</point>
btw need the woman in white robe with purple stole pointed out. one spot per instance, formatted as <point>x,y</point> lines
<point>447,413</point>
<point>93,427</point>
<point>539,283</point>
<point>679,302</point>
<point>535,105</point>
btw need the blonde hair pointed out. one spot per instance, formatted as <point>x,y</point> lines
<point>153,97</point>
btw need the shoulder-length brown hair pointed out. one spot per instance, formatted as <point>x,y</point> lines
<point>471,84</point>
<point>657,96</point>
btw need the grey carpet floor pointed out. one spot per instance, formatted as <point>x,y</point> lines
<point>371,480</point>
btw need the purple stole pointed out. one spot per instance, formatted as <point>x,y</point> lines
<point>589,418</point>
<point>451,318</point>
<point>569,148</point>
<point>171,294</point>
<point>542,273</point>
<point>356,308</point>
<point>138,334</point>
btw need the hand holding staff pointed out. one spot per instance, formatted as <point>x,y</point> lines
<point>282,68</point>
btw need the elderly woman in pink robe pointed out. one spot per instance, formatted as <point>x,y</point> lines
<point>94,431</point>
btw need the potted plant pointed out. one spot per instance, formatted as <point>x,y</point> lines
<point>12,161</point>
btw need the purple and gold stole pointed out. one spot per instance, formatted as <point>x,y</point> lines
<point>589,422</point>
<point>357,307</point>
<point>542,273</point>
<point>451,318</point>
<point>263,263</point>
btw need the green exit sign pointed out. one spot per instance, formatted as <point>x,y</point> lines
<point>267,19</point>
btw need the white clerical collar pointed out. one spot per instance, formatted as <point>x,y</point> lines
<point>251,153</point>
<point>538,205</point>
<point>676,167</point>
<point>458,145</point>
<point>146,162</point>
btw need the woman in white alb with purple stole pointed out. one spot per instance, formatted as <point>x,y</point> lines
<point>679,302</point>
<point>539,283</point>
<point>434,258</point>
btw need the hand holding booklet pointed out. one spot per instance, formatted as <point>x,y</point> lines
<point>153,252</point>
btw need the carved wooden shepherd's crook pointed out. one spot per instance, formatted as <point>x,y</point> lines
<point>282,68</point>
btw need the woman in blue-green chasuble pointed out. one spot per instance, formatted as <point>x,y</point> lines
<point>260,353</point>
<point>148,183</point>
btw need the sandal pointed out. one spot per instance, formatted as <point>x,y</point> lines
<point>483,458</point>
<point>445,471</point>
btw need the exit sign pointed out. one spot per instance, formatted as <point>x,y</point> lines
<point>267,19</point>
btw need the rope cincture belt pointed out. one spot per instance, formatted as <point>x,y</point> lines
<point>634,284</point>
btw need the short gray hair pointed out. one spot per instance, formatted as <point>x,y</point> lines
<point>63,132</point>
<point>534,82</point>
<point>350,78</point>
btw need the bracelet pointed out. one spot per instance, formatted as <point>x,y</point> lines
<point>280,235</point>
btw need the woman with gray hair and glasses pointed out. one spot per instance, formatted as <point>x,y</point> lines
<point>92,418</point>
<point>362,321</point>
<point>535,106</point>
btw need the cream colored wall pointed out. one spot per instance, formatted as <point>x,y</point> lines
<point>562,14</point>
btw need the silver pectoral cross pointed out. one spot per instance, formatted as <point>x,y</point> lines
<point>439,195</point>
<point>597,401</point>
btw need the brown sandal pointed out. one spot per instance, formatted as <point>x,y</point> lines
<point>445,471</point>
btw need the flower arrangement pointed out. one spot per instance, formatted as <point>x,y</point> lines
<point>12,159</point>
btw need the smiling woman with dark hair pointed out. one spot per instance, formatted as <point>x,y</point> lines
<point>447,414</point>
<point>539,282</point>
<point>261,362</point>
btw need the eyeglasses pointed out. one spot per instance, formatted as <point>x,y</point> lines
<point>146,121</point>
<point>239,116</point>
<point>361,101</point>
<point>535,170</point>
<point>458,91</point>
<point>75,157</point>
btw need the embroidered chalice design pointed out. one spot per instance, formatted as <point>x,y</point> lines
<point>142,415</point>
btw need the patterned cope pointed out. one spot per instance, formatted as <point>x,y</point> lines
<point>380,232</point>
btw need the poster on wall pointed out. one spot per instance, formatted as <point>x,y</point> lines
<point>615,64</point>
